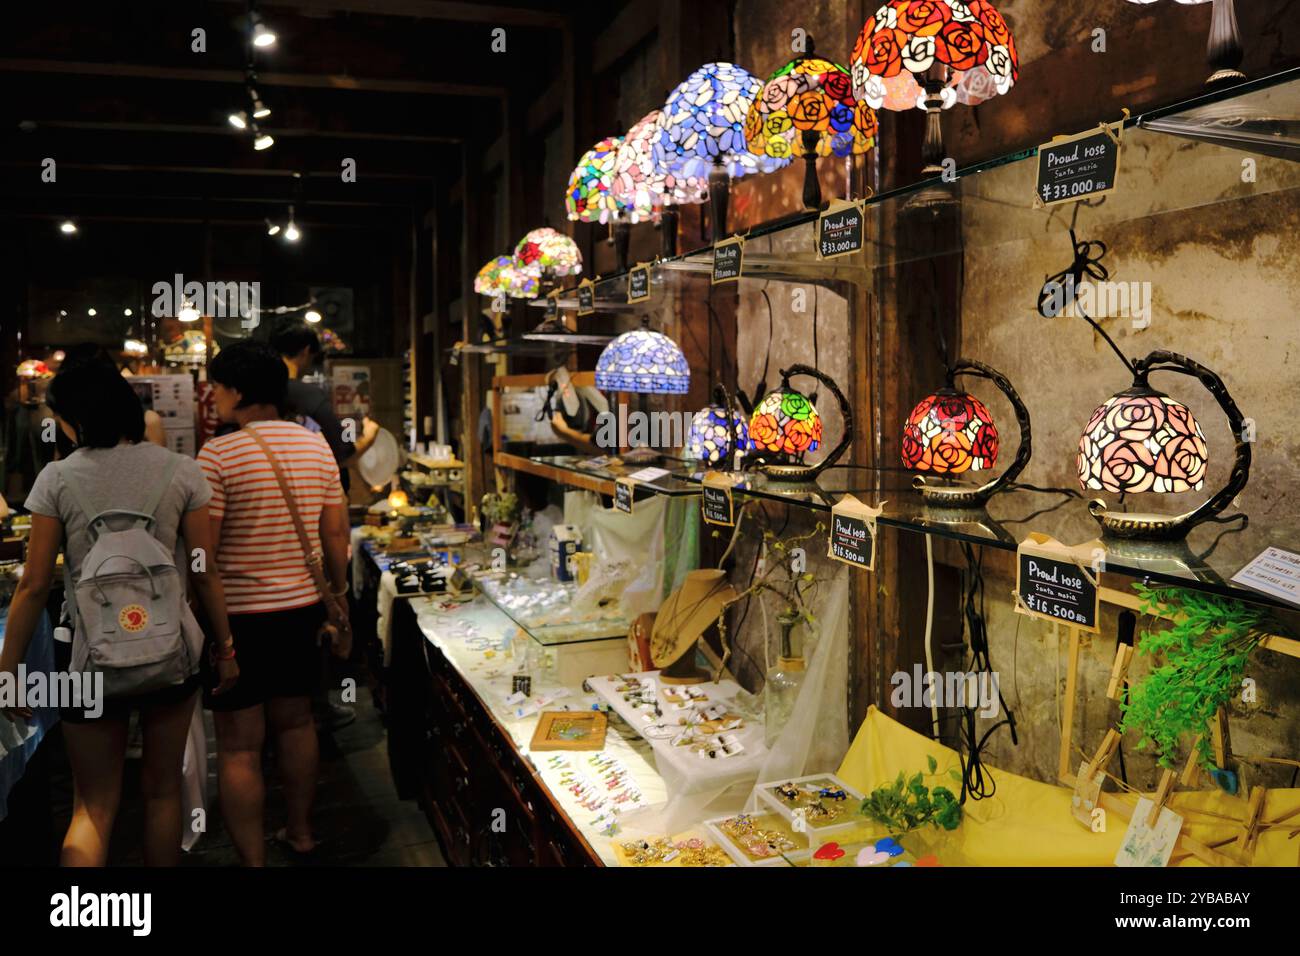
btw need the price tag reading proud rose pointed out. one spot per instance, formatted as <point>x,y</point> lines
<point>853,533</point>
<point>717,507</point>
<point>586,297</point>
<point>728,257</point>
<point>1071,168</point>
<point>839,230</point>
<point>624,492</point>
<point>638,284</point>
<point>1054,583</point>
<point>553,304</point>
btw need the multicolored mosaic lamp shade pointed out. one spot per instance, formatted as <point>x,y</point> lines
<point>489,280</point>
<point>518,284</point>
<point>904,39</point>
<point>787,423</point>
<point>809,95</point>
<point>590,196</point>
<point>547,252</point>
<point>641,183</point>
<point>643,361</point>
<point>1142,440</point>
<point>702,124</point>
<point>950,433</point>
<point>709,437</point>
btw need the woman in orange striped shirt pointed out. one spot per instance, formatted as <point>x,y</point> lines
<point>276,611</point>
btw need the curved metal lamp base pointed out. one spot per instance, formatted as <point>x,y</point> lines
<point>1151,527</point>
<point>956,496</point>
<point>790,471</point>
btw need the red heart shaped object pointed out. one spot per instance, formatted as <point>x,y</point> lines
<point>930,860</point>
<point>829,851</point>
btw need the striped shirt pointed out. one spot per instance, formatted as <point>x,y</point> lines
<point>259,555</point>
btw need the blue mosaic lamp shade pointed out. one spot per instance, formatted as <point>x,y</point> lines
<point>703,123</point>
<point>643,361</point>
<point>709,436</point>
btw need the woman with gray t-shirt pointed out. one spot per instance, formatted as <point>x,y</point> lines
<point>114,469</point>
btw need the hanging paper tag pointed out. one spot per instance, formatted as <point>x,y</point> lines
<point>1146,845</point>
<point>624,491</point>
<point>1077,167</point>
<point>853,533</point>
<point>728,256</point>
<point>586,297</point>
<point>840,229</point>
<point>716,506</point>
<point>1053,584</point>
<point>638,284</point>
<point>1087,794</point>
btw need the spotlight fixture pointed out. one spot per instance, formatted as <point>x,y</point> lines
<point>188,313</point>
<point>272,228</point>
<point>312,316</point>
<point>291,231</point>
<point>238,120</point>
<point>262,140</point>
<point>91,312</point>
<point>263,36</point>
<point>260,109</point>
<point>127,312</point>
<point>68,227</point>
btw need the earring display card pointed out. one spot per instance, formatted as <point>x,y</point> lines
<point>821,803</point>
<point>758,839</point>
<point>1145,845</point>
<point>570,730</point>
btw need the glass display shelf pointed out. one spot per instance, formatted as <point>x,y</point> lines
<point>543,609</point>
<point>674,484</point>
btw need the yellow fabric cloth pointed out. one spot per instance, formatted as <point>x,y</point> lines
<point>1028,823</point>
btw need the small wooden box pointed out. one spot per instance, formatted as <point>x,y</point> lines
<point>570,730</point>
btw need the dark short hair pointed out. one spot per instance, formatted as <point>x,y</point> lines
<point>87,353</point>
<point>295,338</point>
<point>98,403</point>
<point>253,369</point>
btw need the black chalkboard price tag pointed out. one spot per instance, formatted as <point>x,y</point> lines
<point>586,297</point>
<point>1078,167</point>
<point>1051,583</point>
<point>553,304</point>
<point>853,533</point>
<point>728,256</point>
<point>716,505</point>
<point>638,284</point>
<point>624,492</point>
<point>840,230</point>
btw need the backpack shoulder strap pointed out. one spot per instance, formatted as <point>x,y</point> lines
<point>78,499</point>
<point>169,472</point>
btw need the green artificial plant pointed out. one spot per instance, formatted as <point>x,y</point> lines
<point>1203,656</point>
<point>906,805</point>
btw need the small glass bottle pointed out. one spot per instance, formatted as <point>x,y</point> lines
<point>783,681</point>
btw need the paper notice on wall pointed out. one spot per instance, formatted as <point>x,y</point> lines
<point>351,385</point>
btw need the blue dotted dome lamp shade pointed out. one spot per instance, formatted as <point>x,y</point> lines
<point>643,361</point>
<point>702,132</point>
<point>709,437</point>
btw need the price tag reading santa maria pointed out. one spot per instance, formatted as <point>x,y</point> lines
<point>1077,167</point>
<point>716,506</point>
<point>1051,583</point>
<point>624,491</point>
<point>586,297</point>
<point>853,533</point>
<point>638,284</point>
<point>839,230</point>
<point>728,256</point>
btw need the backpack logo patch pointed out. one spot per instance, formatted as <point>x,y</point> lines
<point>133,618</point>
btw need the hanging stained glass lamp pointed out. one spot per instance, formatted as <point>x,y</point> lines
<point>590,196</point>
<point>643,361</point>
<point>490,280</point>
<point>548,253</point>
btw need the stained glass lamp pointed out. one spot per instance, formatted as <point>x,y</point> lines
<point>590,196</point>
<point>1141,440</point>
<point>643,361</point>
<point>932,54</point>
<point>489,280</point>
<point>1223,51</point>
<point>785,426</point>
<point>702,133</point>
<point>951,433</point>
<point>807,109</point>
<point>710,438</point>
<point>647,189</point>
<point>548,254</point>
<point>517,283</point>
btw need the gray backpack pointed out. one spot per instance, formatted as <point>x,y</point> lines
<point>133,625</point>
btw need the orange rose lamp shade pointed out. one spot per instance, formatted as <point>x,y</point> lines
<point>1141,440</point>
<point>807,109</point>
<point>951,433</point>
<point>785,426</point>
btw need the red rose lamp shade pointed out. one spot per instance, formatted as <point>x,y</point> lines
<point>785,426</point>
<point>1141,440</point>
<point>951,433</point>
<point>930,55</point>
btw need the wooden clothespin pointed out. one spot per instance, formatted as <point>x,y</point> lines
<point>1192,772</point>
<point>1102,757</point>
<point>1254,810</point>
<point>1161,797</point>
<point>1119,671</point>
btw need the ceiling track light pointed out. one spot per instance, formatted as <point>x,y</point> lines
<point>68,227</point>
<point>262,140</point>
<point>238,120</point>
<point>272,228</point>
<point>291,231</point>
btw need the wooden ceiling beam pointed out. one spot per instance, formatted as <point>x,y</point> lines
<point>425,10</point>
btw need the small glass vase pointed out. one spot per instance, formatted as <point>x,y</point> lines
<point>783,682</point>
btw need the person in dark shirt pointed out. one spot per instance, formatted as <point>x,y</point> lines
<point>300,347</point>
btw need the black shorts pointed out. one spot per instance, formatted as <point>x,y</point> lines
<point>278,656</point>
<point>119,708</point>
